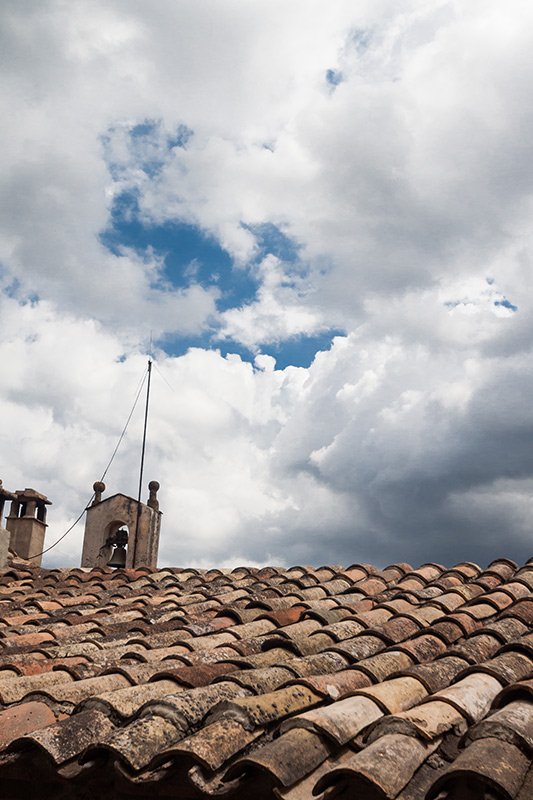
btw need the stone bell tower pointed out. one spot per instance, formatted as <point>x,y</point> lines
<point>27,524</point>
<point>104,520</point>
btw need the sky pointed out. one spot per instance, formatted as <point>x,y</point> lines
<point>316,219</point>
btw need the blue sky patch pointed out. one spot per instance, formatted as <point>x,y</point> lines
<point>505,303</point>
<point>179,345</point>
<point>300,351</point>
<point>189,254</point>
<point>297,352</point>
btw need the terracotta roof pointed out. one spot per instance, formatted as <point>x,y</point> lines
<point>398,684</point>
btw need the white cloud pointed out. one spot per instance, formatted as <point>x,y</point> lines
<point>412,167</point>
<point>407,190</point>
<point>383,449</point>
<point>276,314</point>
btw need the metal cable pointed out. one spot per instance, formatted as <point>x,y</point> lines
<point>47,549</point>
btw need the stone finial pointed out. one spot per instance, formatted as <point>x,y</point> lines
<point>98,488</point>
<point>5,494</point>
<point>4,535</point>
<point>153,502</point>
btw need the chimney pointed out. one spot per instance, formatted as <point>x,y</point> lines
<point>27,524</point>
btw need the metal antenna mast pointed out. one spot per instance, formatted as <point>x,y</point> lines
<point>142,459</point>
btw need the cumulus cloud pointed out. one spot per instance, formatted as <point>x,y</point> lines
<point>383,449</point>
<point>390,144</point>
<point>276,314</point>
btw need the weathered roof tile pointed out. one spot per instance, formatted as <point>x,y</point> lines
<point>288,758</point>
<point>487,764</point>
<point>507,667</point>
<point>261,710</point>
<point>438,674</point>
<point>303,789</point>
<point>340,721</point>
<point>396,694</point>
<point>137,743</point>
<point>256,682</point>
<point>70,737</point>
<point>428,721</point>
<point>382,665</point>
<point>13,690</point>
<point>476,648</point>
<point>337,685</point>
<point>215,744</point>
<point>20,720</point>
<point>472,696</point>
<point>386,765</point>
<point>425,647</point>
<point>189,707</point>
<point>126,702</point>
<point>76,691</point>
<point>360,647</point>
<point>520,690</point>
<point>513,723</point>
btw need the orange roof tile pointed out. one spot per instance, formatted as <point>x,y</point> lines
<point>405,684</point>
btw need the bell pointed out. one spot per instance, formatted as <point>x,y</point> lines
<point>118,557</point>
